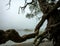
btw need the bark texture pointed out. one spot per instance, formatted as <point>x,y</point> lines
<point>52,15</point>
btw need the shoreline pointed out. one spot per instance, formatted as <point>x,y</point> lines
<point>46,43</point>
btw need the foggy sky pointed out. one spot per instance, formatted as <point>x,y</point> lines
<point>10,19</point>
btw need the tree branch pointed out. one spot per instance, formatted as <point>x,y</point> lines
<point>55,25</point>
<point>13,35</point>
<point>44,17</point>
<point>26,5</point>
<point>9,4</point>
<point>41,22</point>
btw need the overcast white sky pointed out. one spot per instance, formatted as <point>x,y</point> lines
<point>10,19</point>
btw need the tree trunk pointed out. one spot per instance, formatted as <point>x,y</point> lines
<point>52,17</point>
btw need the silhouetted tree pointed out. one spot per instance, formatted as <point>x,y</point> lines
<point>51,13</point>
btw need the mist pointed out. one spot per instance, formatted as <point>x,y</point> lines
<point>10,19</point>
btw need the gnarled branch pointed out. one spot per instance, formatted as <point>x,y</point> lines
<point>12,34</point>
<point>45,15</point>
<point>42,20</point>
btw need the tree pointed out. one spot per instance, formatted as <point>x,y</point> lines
<point>50,13</point>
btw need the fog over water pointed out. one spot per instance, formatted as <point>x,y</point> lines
<point>10,19</point>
